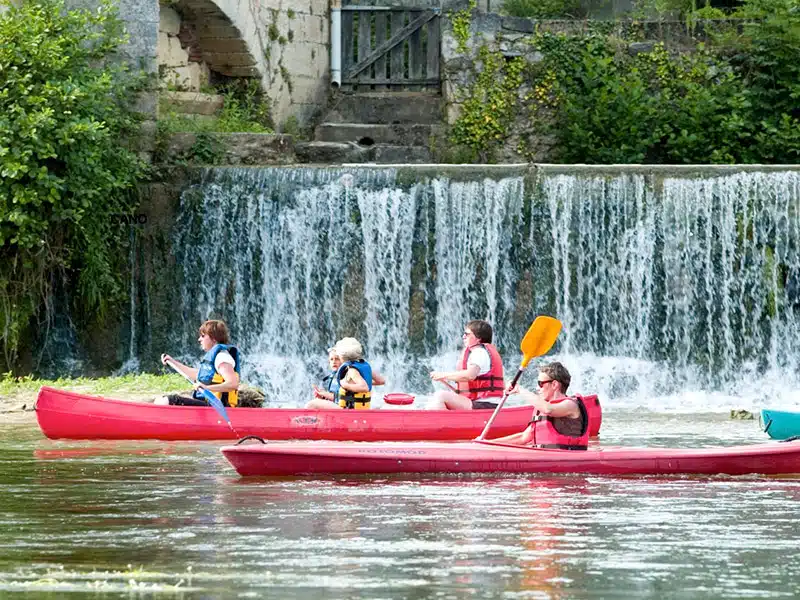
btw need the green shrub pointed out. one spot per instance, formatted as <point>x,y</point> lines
<point>491,104</point>
<point>544,9</point>
<point>64,176</point>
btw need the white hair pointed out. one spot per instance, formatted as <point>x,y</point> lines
<point>349,349</point>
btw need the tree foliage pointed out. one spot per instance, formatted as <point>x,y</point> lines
<point>64,169</point>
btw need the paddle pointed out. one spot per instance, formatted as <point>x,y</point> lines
<point>208,395</point>
<point>540,338</point>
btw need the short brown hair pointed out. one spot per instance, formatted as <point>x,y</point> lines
<point>481,329</point>
<point>217,331</point>
<point>559,373</point>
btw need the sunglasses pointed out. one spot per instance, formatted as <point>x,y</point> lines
<point>542,383</point>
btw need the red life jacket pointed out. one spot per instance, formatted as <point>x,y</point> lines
<point>488,385</point>
<point>545,434</point>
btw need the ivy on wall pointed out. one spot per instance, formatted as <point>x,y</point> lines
<point>491,104</point>
<point>733,99</point>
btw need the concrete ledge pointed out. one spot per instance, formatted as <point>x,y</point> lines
<point>368,134</point>
<point>230,149</point>
<point>329,153</point>
<point>194,103</point>
<point>381,108</point>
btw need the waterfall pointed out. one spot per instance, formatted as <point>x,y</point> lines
<point>687,281</point>
<point>670,287</point>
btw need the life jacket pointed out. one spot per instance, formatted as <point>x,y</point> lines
<point>356,400</point>
<point>488,385</point>
<point>207,374</point>
<point>330,383</point>
<point>545,434</point>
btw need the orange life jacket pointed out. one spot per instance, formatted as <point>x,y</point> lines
<point>488,385</point>
<point>545,434</point>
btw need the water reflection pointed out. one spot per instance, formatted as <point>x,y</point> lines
<point>83,517</point>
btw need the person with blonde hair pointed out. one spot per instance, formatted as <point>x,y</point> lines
<point>352,384</point>
<point>218,372</point>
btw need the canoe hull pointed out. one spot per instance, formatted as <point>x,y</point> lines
<point>779,424</point>
<point>320,458</point>
<point>69,415</point>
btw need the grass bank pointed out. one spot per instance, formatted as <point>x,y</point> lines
<point>19,393</point>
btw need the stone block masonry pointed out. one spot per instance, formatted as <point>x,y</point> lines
<point>283,43</point>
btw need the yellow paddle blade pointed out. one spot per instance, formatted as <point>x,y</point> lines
<point>540,338</point>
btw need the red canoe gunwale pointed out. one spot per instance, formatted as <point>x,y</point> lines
<point>63,414</point>
<point>327,458</point>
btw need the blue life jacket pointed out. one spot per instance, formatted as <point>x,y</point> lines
<point>330,383</point>
<point>207,373</point>
<point>357,400</point>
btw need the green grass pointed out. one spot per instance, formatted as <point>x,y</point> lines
<point>126,387</point>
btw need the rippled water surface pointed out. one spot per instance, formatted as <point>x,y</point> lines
<point>174,519</point>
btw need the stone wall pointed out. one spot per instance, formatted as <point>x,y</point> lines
<point>283,42</point>
<point>180,62</point>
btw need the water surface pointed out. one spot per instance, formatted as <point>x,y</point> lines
<point>157,518</point>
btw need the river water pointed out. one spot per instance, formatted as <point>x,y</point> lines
<point>142,519</point>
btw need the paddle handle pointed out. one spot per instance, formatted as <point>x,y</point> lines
<point>449,385</point>
<point>207,394</point>
<point>212,400</point>
<point>514,382</point>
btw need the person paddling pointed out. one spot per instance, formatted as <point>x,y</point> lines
<point>559,421</point>
<point>219,369</point>
<point>479,375</point>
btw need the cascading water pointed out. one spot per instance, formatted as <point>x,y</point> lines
<point>669,288</point>
<point>680,288</point>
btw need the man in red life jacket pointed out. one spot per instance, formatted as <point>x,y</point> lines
<point>560,421</point>
<point>479,375</point>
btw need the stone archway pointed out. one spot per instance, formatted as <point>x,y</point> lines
<point>197,37</point>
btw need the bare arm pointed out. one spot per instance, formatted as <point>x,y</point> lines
<point>378,379</point>
<point>354,382</point>
<point>521,438</point>
<point>190,372</point>
<point>324,394</point>
<point>565,408</point>
<point>468,374</point>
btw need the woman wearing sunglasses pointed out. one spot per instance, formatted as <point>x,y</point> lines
<point>478,376</point>
<point>559,421</point>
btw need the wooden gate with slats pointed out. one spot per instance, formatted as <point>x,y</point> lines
<point>390,48</point>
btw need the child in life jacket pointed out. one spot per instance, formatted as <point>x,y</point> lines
<point>349,383</point>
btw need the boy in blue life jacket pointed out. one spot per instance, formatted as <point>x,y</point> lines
<point>218,372</point>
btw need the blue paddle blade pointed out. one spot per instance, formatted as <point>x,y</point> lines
<point>217,404</point>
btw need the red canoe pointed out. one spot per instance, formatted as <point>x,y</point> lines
<point>63,414</point>
<point>325,458</point>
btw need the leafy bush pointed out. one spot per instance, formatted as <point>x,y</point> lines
<point>64,108</point>
<point>544,9</point>
<point>647,108</point>
<point>490,106</point>
<point>733,99</point>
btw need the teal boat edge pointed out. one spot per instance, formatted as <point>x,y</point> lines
<point>780,424</point>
